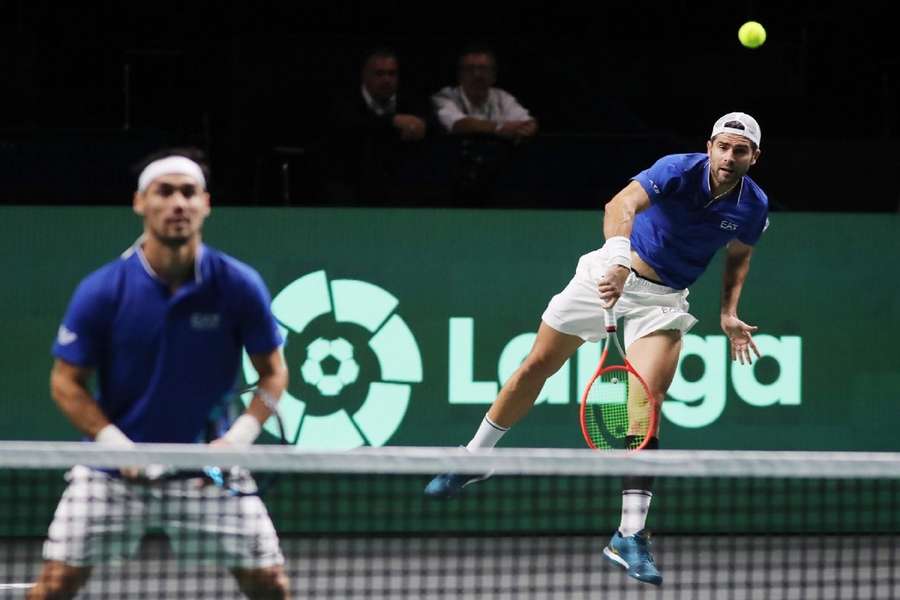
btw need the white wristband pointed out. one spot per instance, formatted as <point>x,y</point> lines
<point>267,399</point>
<point>243,431</point>
<point>618,251</point>
<point>113,436</point>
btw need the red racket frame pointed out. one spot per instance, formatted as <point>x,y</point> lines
<point>627,368</point>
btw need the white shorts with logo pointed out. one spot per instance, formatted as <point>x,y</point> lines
<point>645,306</point>
<point>102,518</point>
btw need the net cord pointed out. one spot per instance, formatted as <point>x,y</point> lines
<point>432,460</point>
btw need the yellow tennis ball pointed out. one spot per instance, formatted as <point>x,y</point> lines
<point>752,34</point>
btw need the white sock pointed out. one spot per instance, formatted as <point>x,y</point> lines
<point>487,436</point>
<point>635,505</point>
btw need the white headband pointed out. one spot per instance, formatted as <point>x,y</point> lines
<point>171,165</point>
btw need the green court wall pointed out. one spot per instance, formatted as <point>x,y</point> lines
<point>439,306</point>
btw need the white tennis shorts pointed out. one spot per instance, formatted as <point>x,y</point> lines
<point>645,306</point>
<point>102,518</point>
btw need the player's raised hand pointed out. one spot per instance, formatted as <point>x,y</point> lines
<point>611,284</point>
<point>741,339</point>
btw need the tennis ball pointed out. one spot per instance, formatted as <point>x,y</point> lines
<point>752,34</point>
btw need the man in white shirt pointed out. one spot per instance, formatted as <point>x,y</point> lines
<point>476,107</point>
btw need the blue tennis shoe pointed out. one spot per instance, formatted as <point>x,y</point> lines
<point>632,553</point>
<point>451,484</point>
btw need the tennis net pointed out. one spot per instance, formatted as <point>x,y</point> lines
<point>725,525</point>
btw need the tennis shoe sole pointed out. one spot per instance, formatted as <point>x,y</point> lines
<point>617,560</point>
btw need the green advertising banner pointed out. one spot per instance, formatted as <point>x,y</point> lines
<point>401,325</point>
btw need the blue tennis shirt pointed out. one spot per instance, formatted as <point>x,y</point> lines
<point>683,228</point>
<point>165,361</point>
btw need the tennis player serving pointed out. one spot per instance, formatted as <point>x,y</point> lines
<point>661,230</point>
<point>163,326</point>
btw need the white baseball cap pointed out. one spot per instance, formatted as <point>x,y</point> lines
<point>740,124</point>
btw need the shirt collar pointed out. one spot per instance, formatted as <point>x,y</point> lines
<point>471,108</point>
<point>708,190</point>
<point>136,249</point>
<point>379,109</point>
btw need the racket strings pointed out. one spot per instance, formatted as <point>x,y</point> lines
<point>606,412</point>
<point>617,413</point>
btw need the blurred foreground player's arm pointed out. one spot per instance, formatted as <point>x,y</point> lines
<point>69,388</point>
<point>273,380</point>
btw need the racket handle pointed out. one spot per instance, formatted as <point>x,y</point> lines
<point>215,475</point>
<point>610,318</point>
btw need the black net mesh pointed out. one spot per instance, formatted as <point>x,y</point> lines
<point>353,534</point>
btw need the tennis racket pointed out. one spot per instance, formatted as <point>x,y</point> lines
<point>617,410</point>
<point>237,481</point>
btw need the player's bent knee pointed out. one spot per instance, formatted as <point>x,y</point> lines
<point>270,583</point>
<point>539,366</point>
<point>658,397</point>
<point>51,592</point>
<point>58,581</point>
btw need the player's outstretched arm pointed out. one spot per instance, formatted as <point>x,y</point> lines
<point>737,265</point>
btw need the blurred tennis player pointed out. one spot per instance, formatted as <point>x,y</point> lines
<point>661,232</point>
<point>163,326</point>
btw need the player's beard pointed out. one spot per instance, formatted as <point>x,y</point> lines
<point>175,235</point>
<point>728,179</point>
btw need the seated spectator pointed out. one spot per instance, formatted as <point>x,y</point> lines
<point>474,106</point>
<point>488,123</point>
<point>372,129</point>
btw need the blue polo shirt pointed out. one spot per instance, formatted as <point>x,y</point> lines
<point>684,228</point>
<point>165,361</point>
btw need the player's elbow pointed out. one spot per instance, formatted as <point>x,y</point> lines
<point>618,211</point>
<point>631,200</point>
<point>61,383</point>
<point>283,376</point>
<point>277,375</point>
<point>68,385</point>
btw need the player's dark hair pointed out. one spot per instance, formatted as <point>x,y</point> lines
<point>195,154</point>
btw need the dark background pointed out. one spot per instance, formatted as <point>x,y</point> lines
<point>87,88</point>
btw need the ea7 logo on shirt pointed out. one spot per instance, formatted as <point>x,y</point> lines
<point>65,336</point>
<point>205,321</point>
<point>728,226</point>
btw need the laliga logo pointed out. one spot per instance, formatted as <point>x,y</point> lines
<point>696,398</point>
<point>356,360</point>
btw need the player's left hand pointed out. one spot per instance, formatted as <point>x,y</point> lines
<point>741,340</point>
